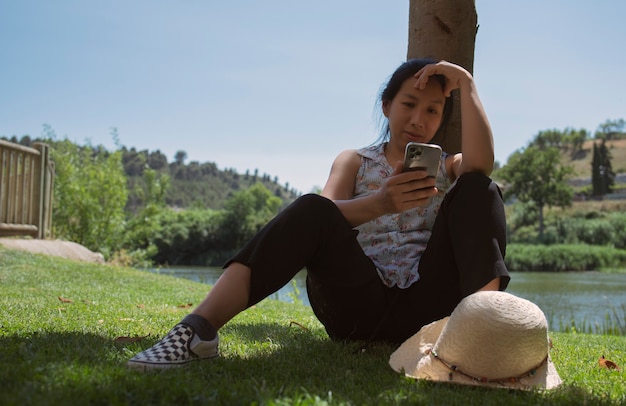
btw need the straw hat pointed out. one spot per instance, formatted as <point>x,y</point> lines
<point>491,339</point>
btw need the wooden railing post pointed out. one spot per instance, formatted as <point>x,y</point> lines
<point>47,179</point>
<point>39,185</point>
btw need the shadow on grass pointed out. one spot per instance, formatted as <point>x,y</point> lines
<point>260,363</point>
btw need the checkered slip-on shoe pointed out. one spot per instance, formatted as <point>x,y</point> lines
<point>180,346</point>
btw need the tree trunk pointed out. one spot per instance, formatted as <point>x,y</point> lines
<point>444,30</point>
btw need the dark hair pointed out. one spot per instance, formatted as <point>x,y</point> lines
<point>391,89</point>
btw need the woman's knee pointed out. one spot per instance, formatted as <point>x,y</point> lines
<point>312,202</point>
<point>313,207</point>
<point>477,180</point>
<point>476,186</point>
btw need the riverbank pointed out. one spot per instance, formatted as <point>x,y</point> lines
<point>67,329</point>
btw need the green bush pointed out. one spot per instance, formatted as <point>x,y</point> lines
<point>200,236</point>
<point>594,228</point>
<point>560,257</point>
<point>596,231</point>
<point>89,196</point>
<point>523,235</point>
<point>187,237</point>
<point>619,230</point>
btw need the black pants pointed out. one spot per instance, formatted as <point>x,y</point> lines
<point>465,252</point>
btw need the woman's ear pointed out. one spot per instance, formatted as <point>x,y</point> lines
<point>386,108</point>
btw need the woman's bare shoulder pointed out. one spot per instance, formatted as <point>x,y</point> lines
<point>348,157</point>
<point>340,184</point>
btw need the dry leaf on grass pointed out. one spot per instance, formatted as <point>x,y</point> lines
<point>605,363</point>
<point>185,305</point>
<point>295,323</point>
<point>64,300</point>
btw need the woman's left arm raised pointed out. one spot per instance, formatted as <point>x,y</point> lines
<point>477,152</point>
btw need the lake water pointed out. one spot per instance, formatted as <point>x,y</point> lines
<point>587,298</point>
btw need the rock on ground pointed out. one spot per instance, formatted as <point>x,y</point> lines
<point>57,248</point>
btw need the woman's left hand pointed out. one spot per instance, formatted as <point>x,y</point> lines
<point>456,76</point>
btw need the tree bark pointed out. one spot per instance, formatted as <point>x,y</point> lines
<point>444,30</point>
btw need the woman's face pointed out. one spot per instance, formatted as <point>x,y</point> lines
<point>414,114</point>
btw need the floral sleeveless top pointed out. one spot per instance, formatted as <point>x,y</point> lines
<point>395,242</point>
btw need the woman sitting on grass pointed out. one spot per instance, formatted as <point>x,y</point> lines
<point>386,251</point>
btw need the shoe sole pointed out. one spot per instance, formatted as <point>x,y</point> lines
<point>151,366</point>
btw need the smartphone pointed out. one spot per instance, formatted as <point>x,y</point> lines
<point>422,156</point>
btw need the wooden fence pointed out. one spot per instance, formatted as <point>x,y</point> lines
<point>26,184</point>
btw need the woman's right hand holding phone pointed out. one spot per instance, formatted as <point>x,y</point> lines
<point>405,190</point>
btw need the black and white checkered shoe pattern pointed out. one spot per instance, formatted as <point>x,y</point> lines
<point>180,346</point>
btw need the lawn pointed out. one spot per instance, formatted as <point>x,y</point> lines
<point>67,329</point>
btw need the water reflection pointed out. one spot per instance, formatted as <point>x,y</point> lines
<point>587,298</point>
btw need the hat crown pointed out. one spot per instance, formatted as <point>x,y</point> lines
<point>494,335</point>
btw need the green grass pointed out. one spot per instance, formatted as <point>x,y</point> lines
<point>54,352</point>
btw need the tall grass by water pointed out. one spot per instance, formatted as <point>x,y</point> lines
<point>68,328</point>
<point>563,257</point>
<point>614,323</point>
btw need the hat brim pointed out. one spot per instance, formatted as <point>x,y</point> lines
<point>413,359</point>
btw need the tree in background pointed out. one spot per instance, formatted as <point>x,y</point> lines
<point>245,213</point>
<point>89,195</point>
<point>180,157</point>
<point>602,175</point>
<point>137,246</point>
<point>611,130</point>
<point>549,138</point>
<point>536,175</point>
<point>567,139</point>
<point>575,139</point>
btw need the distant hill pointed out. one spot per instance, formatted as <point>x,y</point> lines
<point>200,185</point>
<point>581,161</point>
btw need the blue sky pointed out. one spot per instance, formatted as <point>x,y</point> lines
<point>283,86</point>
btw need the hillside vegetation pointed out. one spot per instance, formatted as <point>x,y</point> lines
<point>581,160</point>
<point>194,184</point>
